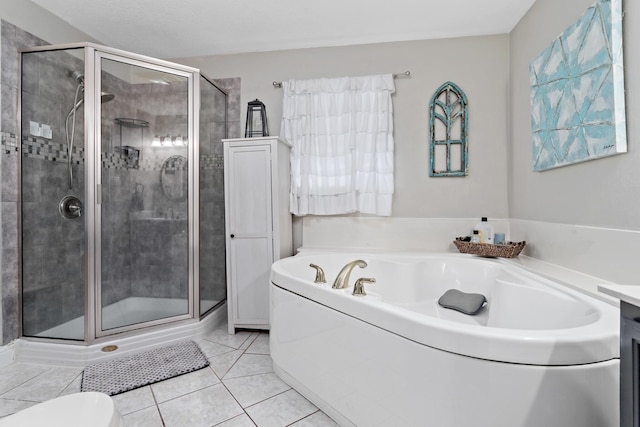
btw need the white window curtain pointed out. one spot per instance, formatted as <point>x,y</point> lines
<point>341,130</point>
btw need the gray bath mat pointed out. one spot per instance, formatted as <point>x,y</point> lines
<point>128,373</point>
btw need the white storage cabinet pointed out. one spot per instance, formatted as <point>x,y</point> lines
<point>258,224</point>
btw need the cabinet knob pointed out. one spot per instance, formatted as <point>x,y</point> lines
<point>232,236</point>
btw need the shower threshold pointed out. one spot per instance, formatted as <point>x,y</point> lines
<point>74,353</point>
<point>128,311</point>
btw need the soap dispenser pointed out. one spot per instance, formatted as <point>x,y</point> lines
<point>485,230</point>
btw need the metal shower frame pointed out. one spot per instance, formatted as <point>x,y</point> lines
<point>93,54</point>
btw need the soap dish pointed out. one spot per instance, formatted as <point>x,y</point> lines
<point>507,250</point>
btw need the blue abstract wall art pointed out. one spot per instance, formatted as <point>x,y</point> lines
<point>577,91</point>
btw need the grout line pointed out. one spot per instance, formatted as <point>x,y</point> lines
<point>71,382</point>
<point>26,381</point>
<point>307,416</point>
<point>264,400</point>
<point>157,405</point>
<point>221,345</point>
<point>247,342</point>
<point>232,365</point>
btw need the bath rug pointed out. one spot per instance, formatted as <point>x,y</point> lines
<point>131,372</point>
<point>462,301</point>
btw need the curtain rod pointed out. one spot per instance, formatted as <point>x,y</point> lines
<point>395,76</point>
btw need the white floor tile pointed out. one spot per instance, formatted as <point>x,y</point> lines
<point>195,399</point>
<point>255,388</point>
<point>319,419</point>
<point>250,364</point>
<point>239,421</point>
<point>8,407</point>
<point>45,386</point>
<point>210,348</point>
<point>205,407</point>
<point>260,345</point>
<point>222,336</point>
<point>249,340</point>
<point>74,387</point>
<point>281,410</point>
<point>149,417</point>
<point>16,374</point>
<point>222,363</point>
<point>134,400</point>
<point>187,383</point>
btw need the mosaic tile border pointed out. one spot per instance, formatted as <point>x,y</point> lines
<point>44,149</point>
<point>8,142</point>
<point>211,161</point>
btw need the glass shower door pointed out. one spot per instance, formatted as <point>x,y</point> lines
<point>52,151</point>
<point>143,200</point>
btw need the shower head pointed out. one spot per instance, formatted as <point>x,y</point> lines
<point>79,77</point>
<point>106,97</point>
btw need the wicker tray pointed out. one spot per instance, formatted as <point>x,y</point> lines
<point>508,250</point>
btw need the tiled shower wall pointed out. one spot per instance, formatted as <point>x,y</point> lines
<point>12,39</point>
<point>62,263</point>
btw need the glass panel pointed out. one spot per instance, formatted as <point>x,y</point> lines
<point>213,109</point>
<point>53,245</point>
<point>144,261</point>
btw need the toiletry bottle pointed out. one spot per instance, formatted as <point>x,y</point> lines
<point>486,231</point>
<point>475,238</point>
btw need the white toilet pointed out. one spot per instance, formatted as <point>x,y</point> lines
<point>74,410</point>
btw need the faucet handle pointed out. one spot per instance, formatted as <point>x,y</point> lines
<point>358,288</point>
<point>319,274</point>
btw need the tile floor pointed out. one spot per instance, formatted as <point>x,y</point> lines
<point>238,389</point>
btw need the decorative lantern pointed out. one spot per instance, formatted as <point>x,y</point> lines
<point>256,120</point>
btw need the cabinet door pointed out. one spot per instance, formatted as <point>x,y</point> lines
<point>250,232</point>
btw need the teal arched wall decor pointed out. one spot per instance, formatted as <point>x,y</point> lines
<point>448,128</point>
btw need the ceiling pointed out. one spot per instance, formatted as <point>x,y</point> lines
<point>181,28</point>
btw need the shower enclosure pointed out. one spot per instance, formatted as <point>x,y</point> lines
<point>122,215</point>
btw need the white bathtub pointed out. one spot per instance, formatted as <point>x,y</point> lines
<point>539,354</point>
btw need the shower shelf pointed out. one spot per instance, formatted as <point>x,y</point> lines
<point>131,123</point>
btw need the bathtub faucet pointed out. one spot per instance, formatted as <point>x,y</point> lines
<point>342,281</point>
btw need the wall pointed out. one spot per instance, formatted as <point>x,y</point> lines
<point>582,216</point>
<point>476,64</point>
<point>44,26</point>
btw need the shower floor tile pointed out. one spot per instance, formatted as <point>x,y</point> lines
<point>238,389</point>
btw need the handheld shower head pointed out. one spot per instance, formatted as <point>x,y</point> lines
<point>79,77</point>
<point>76,75</point>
